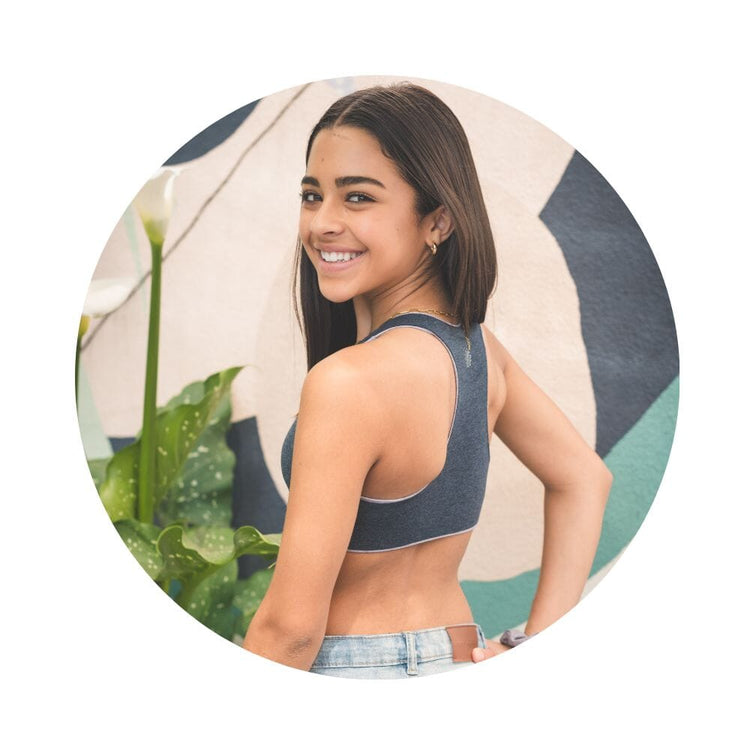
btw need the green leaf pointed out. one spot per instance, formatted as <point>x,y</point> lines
<point>140,539</point>
<point>98,469</point>
<point>201,494</point>
<point>178,429</point>
<point>119,490</point>
<point>249,541</point>
<point>192,554</point>
<point>194,557</point>
<point>210,601</point>
<point>181,560</point>
<point>248,594</point>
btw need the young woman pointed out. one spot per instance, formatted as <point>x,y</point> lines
<point>387,461</point>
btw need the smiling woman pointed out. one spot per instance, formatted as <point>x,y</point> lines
<point>411,529</point>
<point>382,239</point>
<point>387,462</point>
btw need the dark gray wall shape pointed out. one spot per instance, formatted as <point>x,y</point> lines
<point>255,499</point>
<point>211,137</point>
<point>626,318</point>
<point>118,443</point>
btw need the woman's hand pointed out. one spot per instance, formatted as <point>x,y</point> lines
<point>493,649</point>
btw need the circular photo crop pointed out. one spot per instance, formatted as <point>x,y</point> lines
<point>462,287</point>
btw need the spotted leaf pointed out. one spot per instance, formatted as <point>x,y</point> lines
<point>140,539</point>
<point>210,601</point>
<point>248,595</point>
<point>178,430</point>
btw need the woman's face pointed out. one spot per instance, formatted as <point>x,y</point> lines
<point>358,223</point>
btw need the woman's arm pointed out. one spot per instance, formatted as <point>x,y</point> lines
<point>337,440</point>
<point>576,487</point>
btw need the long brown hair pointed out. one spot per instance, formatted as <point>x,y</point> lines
<point>426,142</point>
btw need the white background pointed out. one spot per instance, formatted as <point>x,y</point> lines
<point>98,95</point>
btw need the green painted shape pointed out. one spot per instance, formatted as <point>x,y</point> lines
<point>96,445</point>
<point>637,461</point>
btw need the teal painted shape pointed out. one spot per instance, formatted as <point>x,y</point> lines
<point>499,605</point>
<point>637,461</point>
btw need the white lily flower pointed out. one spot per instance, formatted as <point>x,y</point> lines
<point>155,201</point>
<point>106,295</point>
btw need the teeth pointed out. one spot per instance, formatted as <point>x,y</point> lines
<point>337,257</point>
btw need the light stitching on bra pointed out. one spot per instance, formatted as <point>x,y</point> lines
<point>412,544</point>
<point>413,312</point>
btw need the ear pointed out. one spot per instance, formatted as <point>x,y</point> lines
<point>439,224</point>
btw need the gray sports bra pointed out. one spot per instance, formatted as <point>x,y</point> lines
<point>451,502</point>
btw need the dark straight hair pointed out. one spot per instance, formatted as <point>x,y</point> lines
<point>425,140</point>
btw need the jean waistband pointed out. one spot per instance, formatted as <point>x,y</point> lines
<point>405,647</point>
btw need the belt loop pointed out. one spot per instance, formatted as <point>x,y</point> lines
<point>411,654</point>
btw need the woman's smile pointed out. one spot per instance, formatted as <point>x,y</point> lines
<point>337,259</point>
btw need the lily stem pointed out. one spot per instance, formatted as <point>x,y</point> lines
<point>147,463</point>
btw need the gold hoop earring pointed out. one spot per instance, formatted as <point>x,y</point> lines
<point>434,249</point>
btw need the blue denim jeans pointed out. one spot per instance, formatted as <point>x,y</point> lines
<point>412,653</point>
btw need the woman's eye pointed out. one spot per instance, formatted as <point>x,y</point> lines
<point>358,198</point>
<point>308,196</point>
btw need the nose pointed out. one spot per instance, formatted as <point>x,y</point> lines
<point>327,219</point>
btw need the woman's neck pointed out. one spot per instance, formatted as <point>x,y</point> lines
<point>372,313</point>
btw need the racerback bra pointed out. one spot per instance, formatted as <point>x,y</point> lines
<point>451,502</point>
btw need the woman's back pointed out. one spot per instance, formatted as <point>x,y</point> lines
<point>391,448</point>
<point>410,373</point>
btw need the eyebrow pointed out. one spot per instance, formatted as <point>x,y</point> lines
<point>344,181</point>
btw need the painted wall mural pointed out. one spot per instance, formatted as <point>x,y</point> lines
<point>580,303</point>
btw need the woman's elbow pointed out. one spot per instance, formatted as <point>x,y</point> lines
<point>600,479</point>
<point>603,476</point>
<point>588,477</point>
<point>274,634</point>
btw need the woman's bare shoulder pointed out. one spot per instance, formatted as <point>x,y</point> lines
<point>388,366</point>
<point>497,354</point>
<point>344,373</point>
<point>405,355</point>
<point>349,379</point>
<point>352,365</point>
<point>339,405</point>
<point>497,361</point>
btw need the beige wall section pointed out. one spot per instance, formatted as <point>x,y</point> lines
<point>226,293</point>
<point>214,285</point>
<point>535,314</point>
